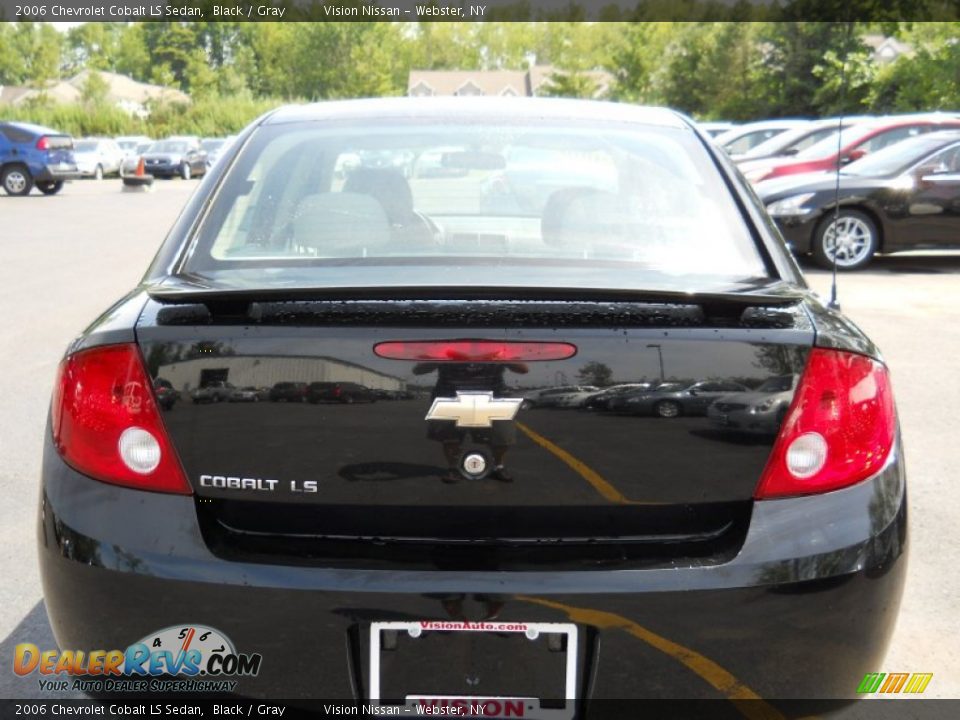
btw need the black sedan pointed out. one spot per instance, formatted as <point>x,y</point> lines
<point>183,157</point>
<point>346,393</point>
<point>904,197</point>
<point>450,546</point>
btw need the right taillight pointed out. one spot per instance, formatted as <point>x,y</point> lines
<point>839,429</point>
<point>106,423</point>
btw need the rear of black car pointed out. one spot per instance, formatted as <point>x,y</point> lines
<point>452,544</point>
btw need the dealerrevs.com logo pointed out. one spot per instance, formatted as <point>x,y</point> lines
<point>202,657</point>
<point>892,683</point>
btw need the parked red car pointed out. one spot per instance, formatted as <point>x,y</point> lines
<point>854,142</point>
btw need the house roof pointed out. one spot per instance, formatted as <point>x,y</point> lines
<point>453,82</point>
<point>120,90</point>
<point>521,83</point>
<point>125,89</point>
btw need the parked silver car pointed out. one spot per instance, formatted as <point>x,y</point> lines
<point>217,391</point>
<point>756,412</point>
<point>670,400</point>
<point>216,147</point>
<point>98,157</point>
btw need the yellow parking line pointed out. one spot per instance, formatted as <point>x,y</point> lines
<point>749,703</point>
<point>608,491</point>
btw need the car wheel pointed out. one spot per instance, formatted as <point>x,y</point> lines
<point>98,173</point>
<point>667,409</point>
<point>852,236</point>
<point>185,171</point>
<point>50,188</point>
<point>16,180</point>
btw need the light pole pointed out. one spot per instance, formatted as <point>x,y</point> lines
<point>660,355</point>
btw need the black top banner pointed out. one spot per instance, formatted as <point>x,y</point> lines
<point>73,11</point>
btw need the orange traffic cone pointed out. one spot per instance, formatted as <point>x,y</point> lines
<point>139,179</point>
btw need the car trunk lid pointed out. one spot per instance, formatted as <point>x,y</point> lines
<point>314,479</point>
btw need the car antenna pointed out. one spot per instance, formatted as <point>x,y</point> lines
<point>834,303</point>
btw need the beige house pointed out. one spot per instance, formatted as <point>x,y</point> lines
<point>502,83</point>
<point>886,49</point>
<point>124,92</point>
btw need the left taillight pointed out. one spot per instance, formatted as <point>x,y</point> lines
<point>106,423</point>
<point>43,143</point>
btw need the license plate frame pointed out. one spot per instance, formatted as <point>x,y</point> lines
<point>532,630</point>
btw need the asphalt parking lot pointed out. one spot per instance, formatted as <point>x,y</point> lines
<point>65,258</point>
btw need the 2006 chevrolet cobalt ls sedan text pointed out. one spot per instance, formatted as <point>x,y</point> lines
<point>437,540</point>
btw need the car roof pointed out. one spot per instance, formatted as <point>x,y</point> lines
<point>453,108</point>
<point>31,128</point>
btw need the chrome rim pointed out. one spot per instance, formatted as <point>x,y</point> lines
<point>850,239</point>
<point>668,410</point>
<point>16,181</point>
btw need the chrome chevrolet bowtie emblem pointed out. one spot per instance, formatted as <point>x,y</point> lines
<point>474,409</point>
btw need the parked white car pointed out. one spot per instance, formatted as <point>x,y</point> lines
<point>98,157</point>
<point>554,396</point>
<point>744,138</point>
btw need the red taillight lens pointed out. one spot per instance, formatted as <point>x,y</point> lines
<point>43,143</point>
<point>839,429</point>
<point>106,423</point>
<point>489,351</point>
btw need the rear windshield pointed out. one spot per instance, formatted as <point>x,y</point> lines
<point>325,204</point>
<point>86,146</point>
<point>169,146</point>
<point>828,146</point>
<point>897,158</point>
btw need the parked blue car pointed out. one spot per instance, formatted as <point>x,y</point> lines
<point>31,155</point>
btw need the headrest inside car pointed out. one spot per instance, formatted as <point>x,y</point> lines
<point>341,224</point>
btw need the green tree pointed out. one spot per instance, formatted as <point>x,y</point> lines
<point>94,90</point>
<point>171,44</point>
<point>13,65</point>
<point>595,373</point>
<point>570,84</point>
<point>39,46</point>
<point>793,50</point>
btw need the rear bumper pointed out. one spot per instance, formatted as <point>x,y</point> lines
<point>54,173</point>
<point>803,611</point>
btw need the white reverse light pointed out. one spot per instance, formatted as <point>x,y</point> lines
<point>139,450</point>
<point>807,455</point>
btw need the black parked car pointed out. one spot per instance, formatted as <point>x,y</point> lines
<point>904,197</point>
<point>183,156</point>
<point>167,396</point>
<point>340,392</point>
<point>417,548</point>
<point>288,392</point>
